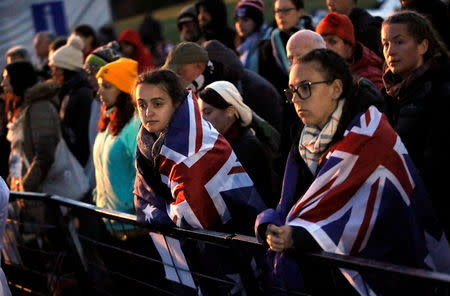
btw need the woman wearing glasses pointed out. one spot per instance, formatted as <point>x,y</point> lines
<point>290,16</point>
<point>349,188</point>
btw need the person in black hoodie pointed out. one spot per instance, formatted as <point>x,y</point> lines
<point>212,18</point>
<point>75,96</point>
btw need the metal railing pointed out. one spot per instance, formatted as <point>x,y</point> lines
<point>58,246</point>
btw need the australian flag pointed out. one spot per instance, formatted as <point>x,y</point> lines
<point>209,190</point>
<point>368,200</point>
<point>208,184</point>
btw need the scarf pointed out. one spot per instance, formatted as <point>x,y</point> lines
<point>314,141</point>
<point>396,86</point>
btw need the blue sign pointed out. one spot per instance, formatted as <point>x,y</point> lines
<point>49,16</point>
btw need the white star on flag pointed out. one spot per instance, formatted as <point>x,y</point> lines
<point>148,211</point>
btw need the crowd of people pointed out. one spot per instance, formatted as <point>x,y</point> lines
<point>327,136</point>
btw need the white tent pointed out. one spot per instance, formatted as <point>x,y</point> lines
<point>21,20</point>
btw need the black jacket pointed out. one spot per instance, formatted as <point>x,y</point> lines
<point>418,111</point>
<point>254,159</point>
<point>74,112</point>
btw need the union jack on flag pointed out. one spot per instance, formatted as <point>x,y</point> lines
<point>207,182</point>
<point>368,200</point>
<point>208,185</point>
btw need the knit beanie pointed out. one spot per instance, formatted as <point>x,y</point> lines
<point>22,76</point>
<point>101,56</point>
<point>228,93</point>
<point>187,14</point>
<point>185,53</point>
<point>121,73</point>
<point>339,25</point>
<point>69,56</point>
<point>252,9</point>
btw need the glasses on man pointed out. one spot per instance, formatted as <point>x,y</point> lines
<point>303,90</point>
<point>283,10</point>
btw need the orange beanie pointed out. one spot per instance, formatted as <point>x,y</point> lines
<point>121,73</point>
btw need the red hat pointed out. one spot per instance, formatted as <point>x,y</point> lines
<point>339,25</point>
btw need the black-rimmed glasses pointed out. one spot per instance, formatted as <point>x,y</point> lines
<point>303,90</point>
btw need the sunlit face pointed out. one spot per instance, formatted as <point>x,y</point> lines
<point>286,14</point>
<point>339,46</point>
<point>190,72</point>
<point>317,109</point>
<point>219,118</point>
<point>203,16</point>
<point>6,83</point>
<point>245,26</point>
<point>57,75</point>
<point>341,6</point>
<point>189,31</point>
<point>107,93</point>
<point>401,52</point>
<point>154,106</point>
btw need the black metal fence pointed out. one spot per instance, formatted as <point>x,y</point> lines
<point>57,246</point>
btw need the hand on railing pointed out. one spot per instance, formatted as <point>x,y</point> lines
<point>279,238</point>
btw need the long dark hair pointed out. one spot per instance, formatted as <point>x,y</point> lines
<point>420,28</point>
<point>22,76</point>
<point>168,80</point>
<point>120,117</point>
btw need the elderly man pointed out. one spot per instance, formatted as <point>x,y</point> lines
<point>302,42</point>
<point>41,43</point>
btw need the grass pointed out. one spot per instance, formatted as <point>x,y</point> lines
<point>167,16</point>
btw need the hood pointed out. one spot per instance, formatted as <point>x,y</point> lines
<point>233,70</point>
<point>46,90</point>
<point>217,10</point>
<point>131,36</point>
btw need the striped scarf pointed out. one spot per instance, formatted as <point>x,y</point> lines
<point>314,141</point>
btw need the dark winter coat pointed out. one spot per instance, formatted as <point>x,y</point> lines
<point>417,108</point>
<point>75,109</point>
<point>367,29</point>
<point>251,154</point>
<point>41,132</point>
<point>368,65</point>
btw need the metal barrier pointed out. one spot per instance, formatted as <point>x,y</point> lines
<point>58,246</point>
